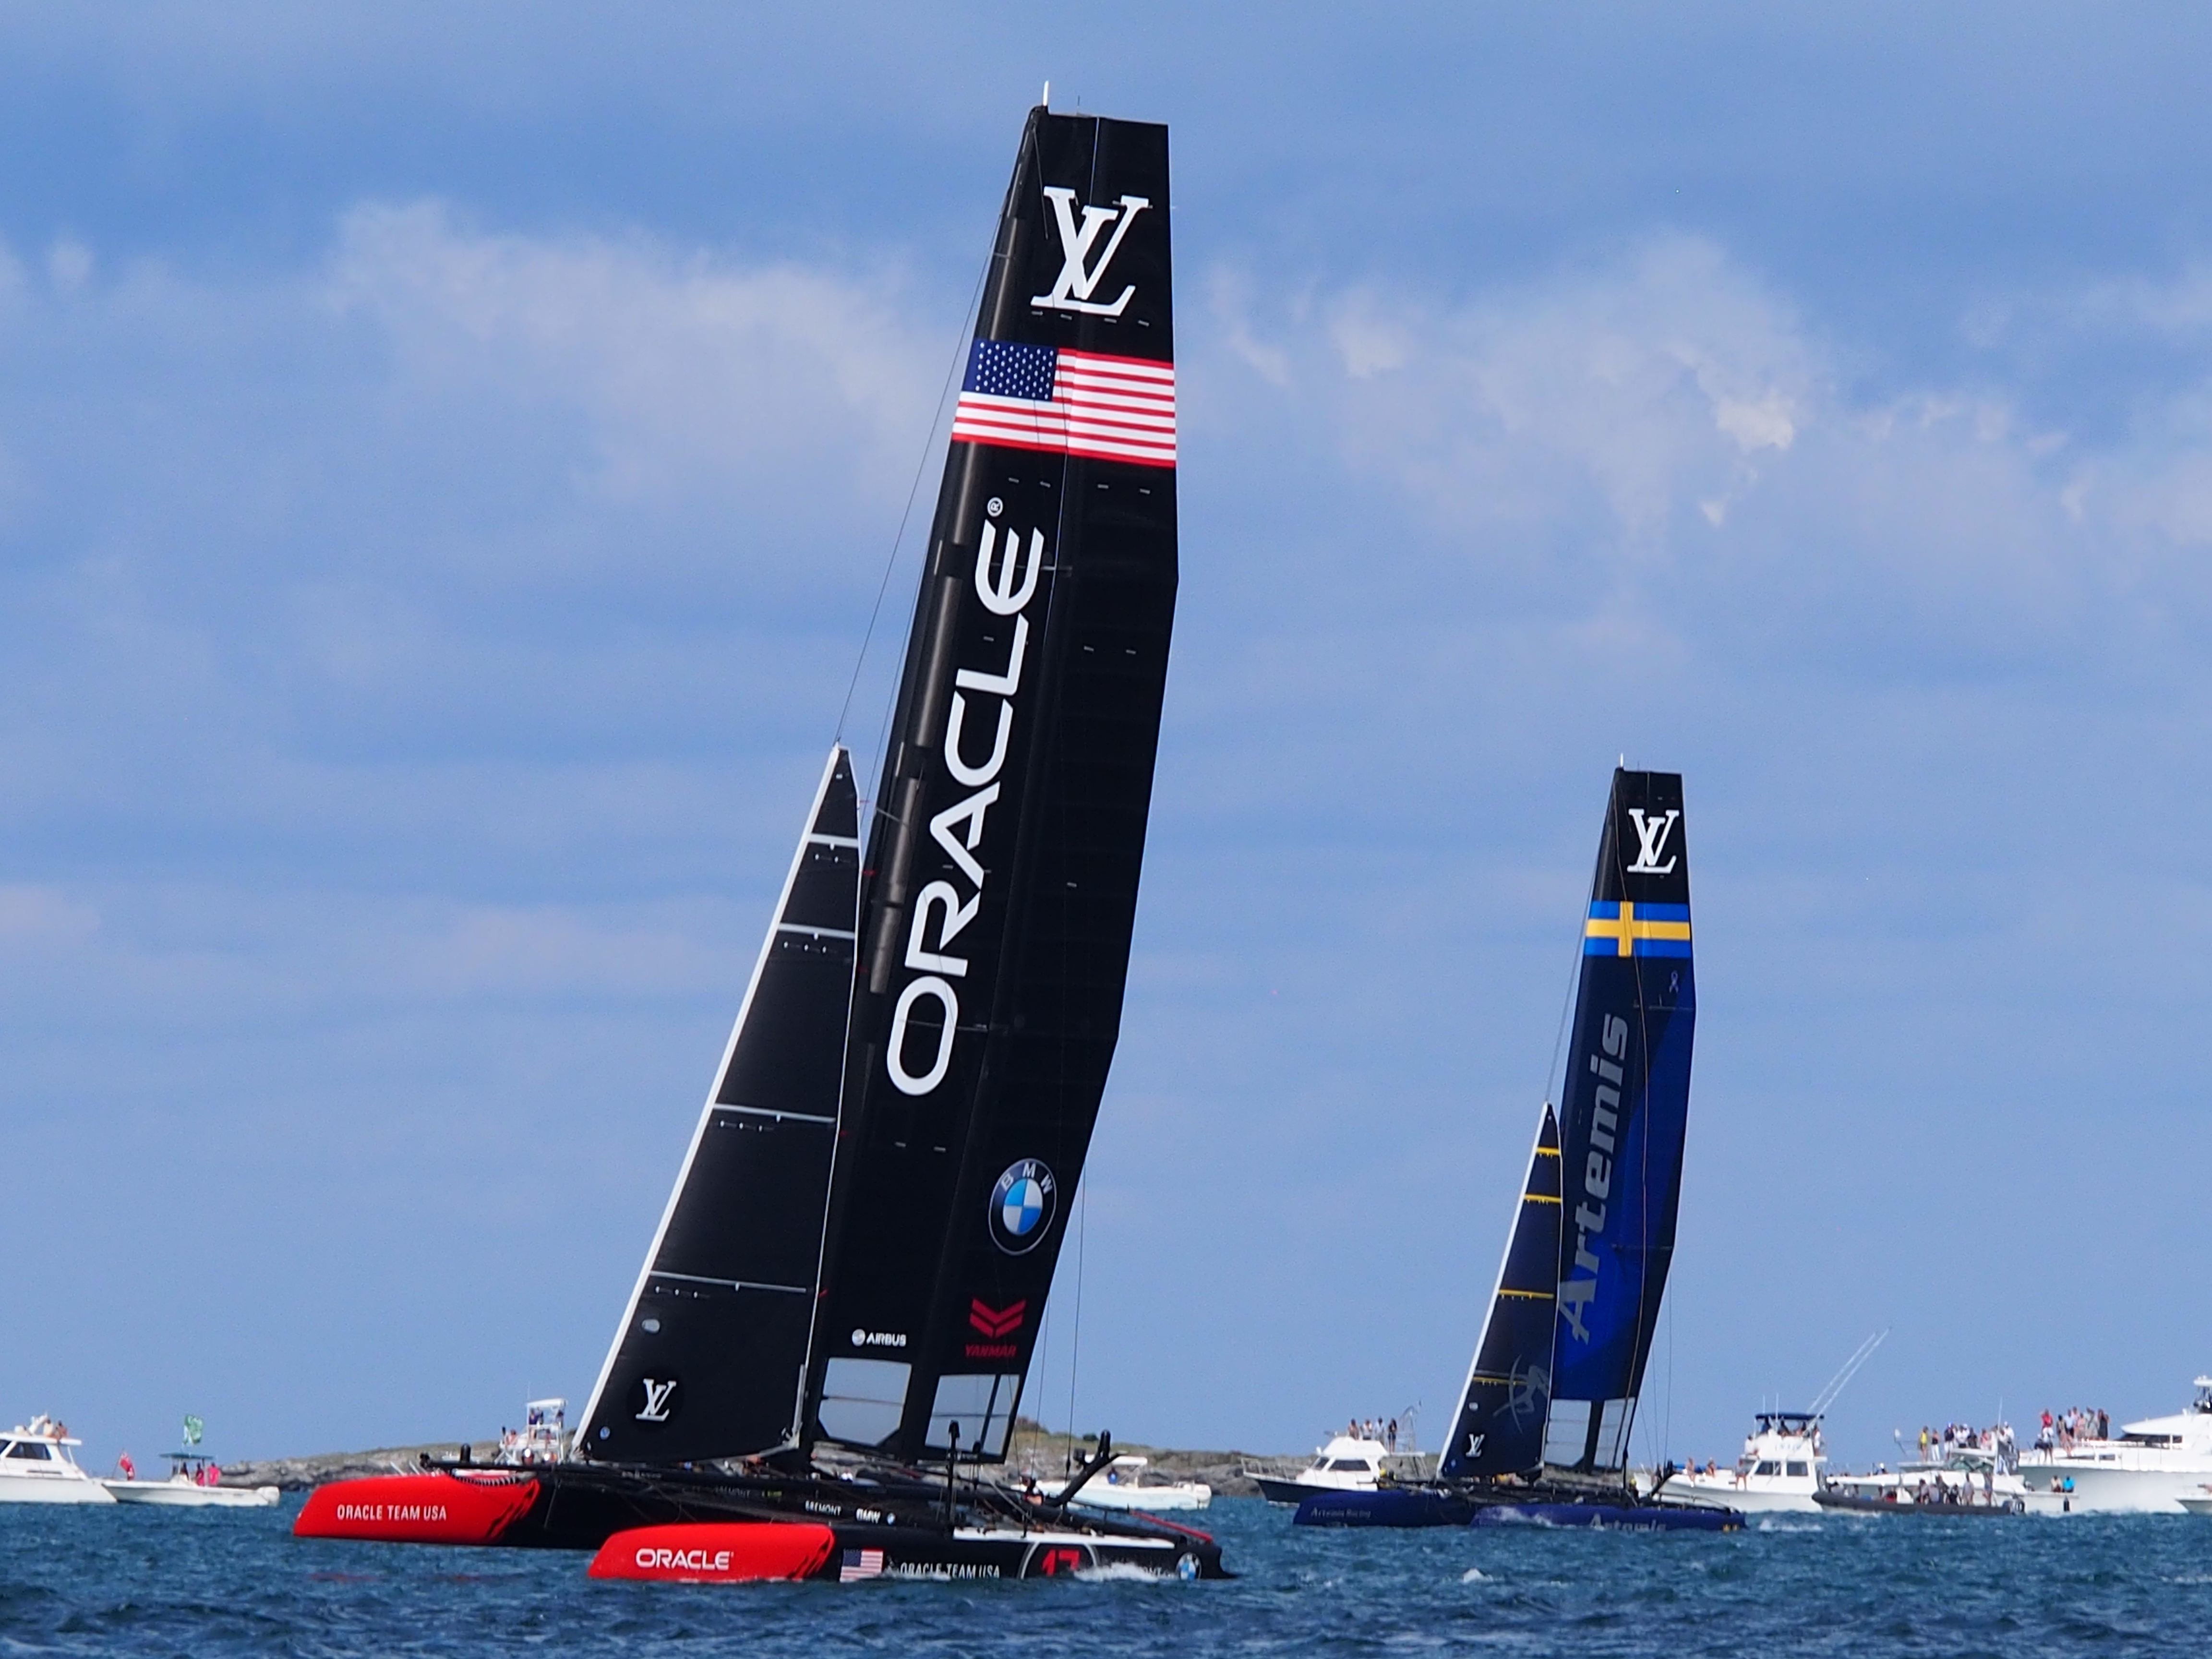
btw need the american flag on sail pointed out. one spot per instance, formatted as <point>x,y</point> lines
<point>1073,403</point>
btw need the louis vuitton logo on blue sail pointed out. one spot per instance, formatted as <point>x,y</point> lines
<point>1651,834</point>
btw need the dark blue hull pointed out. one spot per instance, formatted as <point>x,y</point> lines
<point>1612,1517</point>
<point>1388,1506</point>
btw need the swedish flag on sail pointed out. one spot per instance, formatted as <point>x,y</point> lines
<point>1622,927</point>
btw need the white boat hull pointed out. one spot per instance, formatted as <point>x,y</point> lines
<point>184,1495</point>
<point>1180,1495</point>
<point>52,1489</point>
<point>1754,1496</point>
<point>2113,1488</point>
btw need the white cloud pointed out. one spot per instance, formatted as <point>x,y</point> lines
<point>691,370</point>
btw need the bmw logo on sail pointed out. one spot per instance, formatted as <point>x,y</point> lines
<point>1022,1207</point>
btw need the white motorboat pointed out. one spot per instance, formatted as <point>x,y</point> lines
<point>1783,1462</point>
<point>194,1483</point>
<point>543,1437</point>
<point>1781,1468</point>
<point>2152,1466</point>
<point>1969,1477</point>
<point>37,1467</point>
<point>1347,1463</point>
<point>1129,1484</point>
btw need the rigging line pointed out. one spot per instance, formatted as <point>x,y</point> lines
<point>1575,972</point>
<point>913,489</point>
<point>1075,1348</point>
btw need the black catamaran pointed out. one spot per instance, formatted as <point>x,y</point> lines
<point>838,1313</point>
<point>1541,1429</point>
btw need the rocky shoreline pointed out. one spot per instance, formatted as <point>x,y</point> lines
<point>1046,1454</point>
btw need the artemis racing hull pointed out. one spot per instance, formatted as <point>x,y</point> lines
<point>1449,1506</point>
<point>895,1524</point>
<point>1385,1506</point>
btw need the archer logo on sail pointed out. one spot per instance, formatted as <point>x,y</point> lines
<point>1078,277</point>
<point>1005,583</point>
<point>657,1396</point>
<point>1651,836</point>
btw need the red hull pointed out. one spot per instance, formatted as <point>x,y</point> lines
<point>716,1553</point>
<point>418,1508</point>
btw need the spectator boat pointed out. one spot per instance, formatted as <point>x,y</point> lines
<point>194,1483</point>
<point>1347,1464</point>
<point>2150,1468</point>
<point>38,1466</point>
<point>1129,1483</point>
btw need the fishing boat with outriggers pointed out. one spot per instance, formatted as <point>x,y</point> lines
<point>819,1369</point>
<point>1541,1434</point>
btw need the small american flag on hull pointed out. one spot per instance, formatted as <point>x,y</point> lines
<point>857,1564</point>
<point>1071,403</point>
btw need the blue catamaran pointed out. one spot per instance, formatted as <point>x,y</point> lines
<point>1541,1430</point>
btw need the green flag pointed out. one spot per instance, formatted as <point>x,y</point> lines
<point>193,1428</point>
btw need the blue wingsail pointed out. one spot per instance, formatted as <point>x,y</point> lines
<point>1624,1109</point>
<point>1499,1427</point>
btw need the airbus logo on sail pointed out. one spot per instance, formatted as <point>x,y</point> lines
<point>1652,841</point>
<point>1576,1292</point>
<point>1078,279</point>
<point>942,910</point>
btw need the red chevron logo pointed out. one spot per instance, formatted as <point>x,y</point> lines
<point>997,1321</point>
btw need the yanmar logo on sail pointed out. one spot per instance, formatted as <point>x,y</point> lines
<point>987,1321</point>
<point>1006,571</point>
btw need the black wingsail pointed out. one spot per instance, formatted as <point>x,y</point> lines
<point>1000,883</point>
<point>1625,1110</point>
<point>710,1357</point>
<point>1498,1426</point>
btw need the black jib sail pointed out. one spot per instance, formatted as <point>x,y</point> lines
<point>1499,1427</point>
<point>710,1357</point>
<point>1625,1102</point>
<point>999,887</point>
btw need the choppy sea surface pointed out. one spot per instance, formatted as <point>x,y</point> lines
<point>140,1581</point>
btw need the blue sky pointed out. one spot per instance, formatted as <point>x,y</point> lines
<point>447,457</point>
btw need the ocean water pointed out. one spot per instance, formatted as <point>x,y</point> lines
<point>130,1581</point>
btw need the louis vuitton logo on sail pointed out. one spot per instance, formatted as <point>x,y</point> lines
<point>1078,279</point>
<point>941,911</point>
<point>657,1395</point>
<point>1652,841</point>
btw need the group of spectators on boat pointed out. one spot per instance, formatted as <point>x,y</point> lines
<point>1939,1445</point>
<point>1374,1428</point>
<point>2071,1426</point>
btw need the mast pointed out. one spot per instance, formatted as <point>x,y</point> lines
<point>999,885</point>
<point>711,1353</point>
<point>1623,1112</point>
<point>1498,1427</point>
